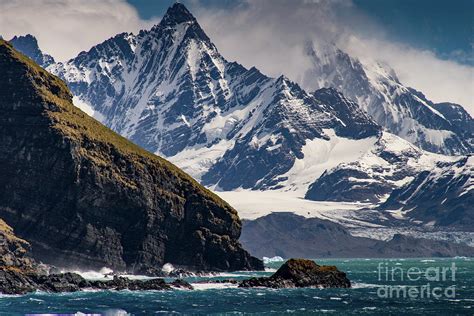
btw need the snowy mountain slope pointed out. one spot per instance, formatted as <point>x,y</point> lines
<point>164,88</point>
<point>458,117</point>
<point>456,114</point>
<point>28,45</point>
<point>441,196</point>
<point>169,90</point>
<point>399,109</point>
<point>260,158</point>
<point>390,163</point>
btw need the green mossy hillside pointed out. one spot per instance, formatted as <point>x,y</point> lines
<point>81,128</point>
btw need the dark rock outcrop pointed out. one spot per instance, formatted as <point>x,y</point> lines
<point>301,273</point>
<point>13,250</point>
<point>354,122</point>
<point>15,282</point>
<point>20,274</point>
<point>14,262</point>
<point>86,197</point>
<point>457,116</point>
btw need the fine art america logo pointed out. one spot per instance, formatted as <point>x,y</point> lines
<point>427,282</point>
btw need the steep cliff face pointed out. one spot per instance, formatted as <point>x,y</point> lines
<point>83,195</point>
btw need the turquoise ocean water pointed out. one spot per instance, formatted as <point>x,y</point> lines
<point>380,287</point>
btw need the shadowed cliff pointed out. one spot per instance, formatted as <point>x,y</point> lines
<point>84,196</point>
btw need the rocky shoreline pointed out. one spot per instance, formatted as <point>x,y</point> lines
<point>16,282</point>
<point>292,274</point>
<point>20,273</point>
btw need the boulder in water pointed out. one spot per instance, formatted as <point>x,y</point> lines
<point>301,273</point>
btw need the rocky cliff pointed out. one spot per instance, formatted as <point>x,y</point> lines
<point>13,250</point>
<point>84,196</point>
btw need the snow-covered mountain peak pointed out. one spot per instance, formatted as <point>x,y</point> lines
<point>375,86</point>
<point>176,14</point>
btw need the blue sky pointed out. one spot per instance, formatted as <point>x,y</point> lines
<point>442,26</point>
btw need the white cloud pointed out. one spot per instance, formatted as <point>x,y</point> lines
<point>270,35</point>
<point>440,80</point>
<point>66,27</point>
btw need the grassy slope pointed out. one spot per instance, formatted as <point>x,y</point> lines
<point>7,231</point>
<point>75,124</point>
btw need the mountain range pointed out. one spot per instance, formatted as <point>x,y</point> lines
<point>401,110</point>
<point>354,134</point>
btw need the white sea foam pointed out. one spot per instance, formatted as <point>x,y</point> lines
<point>105,274</point>
<point>167,268</point>
<point>233,274</point>
<point>115,312</point>
<point>357,285</point>
<point>272,259</point>
<point>102,274</point>
<point>213,286</point>
<point>370,308</point>
<point>136,277</point>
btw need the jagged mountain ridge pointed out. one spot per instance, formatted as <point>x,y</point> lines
<point>169,90</point>
<point>401,110</point>
<point>28,45</point>
<point>154,88</point>
<point>386,165</point>
<point>458,117</point>
<point>85,197</point>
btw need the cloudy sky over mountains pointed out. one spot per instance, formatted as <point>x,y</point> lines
<point>428,43</point>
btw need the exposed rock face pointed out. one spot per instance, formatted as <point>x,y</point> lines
<point>28,45</point>
<point>169,90</point>
<point>13,250</point>
<point>288,235</point>
<point>355,123</point>
<point>301,273</point>
<point>442,196</point>
<point>20,274</point>
<point>14,262</point>
<point>458,117</point>
<point>83,195</point>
